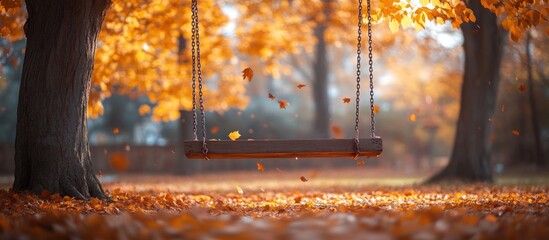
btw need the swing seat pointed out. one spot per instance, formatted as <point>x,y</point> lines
<point>313,148</point>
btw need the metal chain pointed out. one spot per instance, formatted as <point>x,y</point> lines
<point>358,58</point>
<point>200,81</point>
<point>193,53</point>
<point>371,70</point>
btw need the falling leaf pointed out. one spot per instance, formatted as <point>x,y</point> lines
<point>116,131</point>
<point>214,129</point>
<point>300,86</point>
<point>516,132</point>
<point>260,167</point>
<point>248,73</point>
<point>503,107</point>
<point>144,109</point>
<point>119,161</point>
<point>361,163</point>
<point>239,190</point>
<point>337,132</point>
<point>522,87</point>
<point>234,135</point>
<point>271,96</point>
<point>297,199</point>
<point>346,100</point>
<point>303,179</point>
<point>282,103</point>
<point>376,108</point>
<point>412,117</point>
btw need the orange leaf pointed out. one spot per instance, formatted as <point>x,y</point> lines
<point>522,87</point>
<point>214,129</point>
<point>413,117</point>
<point>361,163</point>
<point>300,86</point>
<point>346,100</point>
<point>116,131</point>
<point>297,199</point>
<point>516,132</point>
<point>337,132</point>
<point>303,179</point>
<point>119,161</point>
<point>234,135</point>
<point>282,103</point>
<point>271,96</point>
<point>248,73</point>
<point>376,108</point>
<point>260,167</point>
<point>491,218</point>
<point>144,109</point>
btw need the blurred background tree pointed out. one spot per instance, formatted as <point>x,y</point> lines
<point>142,75</point>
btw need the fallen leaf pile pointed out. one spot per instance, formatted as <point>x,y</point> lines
<point>418,212</point>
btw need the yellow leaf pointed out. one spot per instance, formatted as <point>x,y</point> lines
<point>413,117</point>
<point>393,25</point>
<point>239,190</point>
<point>424,2</point>
<point>440,21</point>
<point>248,73</point>
<point>406,21</point>
<point>234,135</point>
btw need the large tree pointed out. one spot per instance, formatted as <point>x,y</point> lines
<point>139,54</point>
<point>52,150</point>
<point>483,46</point>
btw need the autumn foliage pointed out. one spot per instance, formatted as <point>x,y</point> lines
<point>302,210</point>
<point>145,45</point>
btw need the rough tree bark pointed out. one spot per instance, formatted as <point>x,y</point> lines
<point>51,147</point>
<point>483,47</point>
<point>320,78</point>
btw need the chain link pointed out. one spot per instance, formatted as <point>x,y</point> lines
<point>371,70</point>
<point>193,53</point>
<point>358,58</point>
<point>197,74</point>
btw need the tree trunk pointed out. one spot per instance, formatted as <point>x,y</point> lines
<point>51,147</point>
<point>483,47</point>
<point>320,79</point>
<point>538,154</point>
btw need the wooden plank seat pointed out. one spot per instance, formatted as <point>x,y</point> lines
<point>311,148</point>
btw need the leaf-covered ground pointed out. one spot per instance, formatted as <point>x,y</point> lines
<point>280,206</point>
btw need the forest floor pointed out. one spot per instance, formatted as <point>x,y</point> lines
<point>301,204</point>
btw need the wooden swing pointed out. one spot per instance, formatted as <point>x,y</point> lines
<point>315,148</point>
